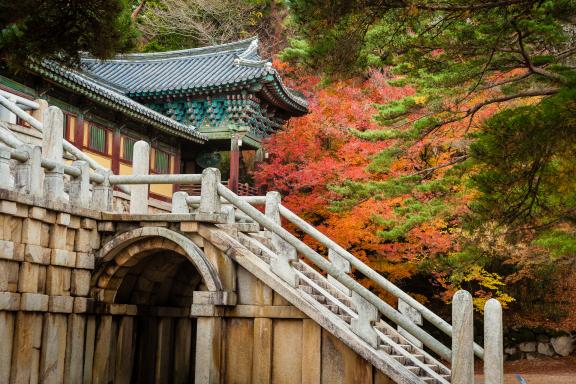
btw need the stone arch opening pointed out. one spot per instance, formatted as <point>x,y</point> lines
<point>144,288</point>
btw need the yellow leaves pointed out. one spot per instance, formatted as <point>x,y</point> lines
<point>420,100</point>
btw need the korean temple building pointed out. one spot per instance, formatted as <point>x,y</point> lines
<point>198,108</point>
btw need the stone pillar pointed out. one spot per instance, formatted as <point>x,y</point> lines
<point>368,314</point>
<point>462,338</point>
<point>179,203</point>
<point>209,198</point>
<point>102,195</point>
<point>140,166</point>
<point>80,186</point>
<point>414,316</point>
<point>6,114</point>
<point>6,179</point>
<point>234,163</point>
<point>342,265</point>
<point>38,114</point>
<point>53,134</point>
<point>208,350</point>
<point>286,254</point>
<point>54,184</point>
<point>493,343</point>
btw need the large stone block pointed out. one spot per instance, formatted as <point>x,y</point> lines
<point>61,304</point>
<point>63,258</point>
<point>80,285</point>
<point>11,228</point>
<point>9,301</point>
<point>37,254</point>
<point>9,275</point>
<point>32,232</point>
<point>33,302</point>
<point>58,281</point>
<point>85,260</point>
<point>58,237</point>
<point>6,250</point>
<point>563,345</point>
<point>31,278</point>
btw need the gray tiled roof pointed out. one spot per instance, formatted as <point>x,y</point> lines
<point>109,95</point>
<point>192,70</point>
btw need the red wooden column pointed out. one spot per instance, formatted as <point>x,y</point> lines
<point>234,163</point>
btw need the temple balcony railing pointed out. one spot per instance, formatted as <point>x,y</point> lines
<point>244,189</point>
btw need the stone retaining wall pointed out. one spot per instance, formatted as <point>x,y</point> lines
<point>543,346</point>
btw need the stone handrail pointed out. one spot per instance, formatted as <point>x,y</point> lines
<point>40,107</point>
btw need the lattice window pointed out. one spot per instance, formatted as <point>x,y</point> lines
<point>128,148</point>
<point>161,162</point>
<point>97,138</point>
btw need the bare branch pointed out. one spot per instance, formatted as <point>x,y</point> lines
<point>430,170</point>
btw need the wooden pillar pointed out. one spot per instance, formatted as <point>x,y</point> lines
<point>493,343</point>
<point>79,132</point>
<point>234,163</point>
<point>116,152</point>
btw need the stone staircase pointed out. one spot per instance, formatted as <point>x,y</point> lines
<point>338,305</point>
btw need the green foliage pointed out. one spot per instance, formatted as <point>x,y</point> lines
<point>60,29</point>
<point>382,161</point>
<point>411,213</point>
<point>561,244</point>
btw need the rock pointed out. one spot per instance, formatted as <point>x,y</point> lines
<point>545,349</point>
<point>529,346</point>
<point>563,345</point>
<point>510,351</point>
<point>531,356</point>
<point>543,338</point>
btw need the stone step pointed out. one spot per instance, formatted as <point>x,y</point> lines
<point>306,288</point>
<point>319,298</point>
<point>346,318</point>
<point>333,308</point>
<point>413,369</point>
<point>429,380</point>
<point>386,348</point>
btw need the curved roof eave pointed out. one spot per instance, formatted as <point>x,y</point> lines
<point>101,93</point>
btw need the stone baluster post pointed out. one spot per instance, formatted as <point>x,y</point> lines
<point>493,343</point>
<point>209,198</point>
<point>80,186</point>
<point>363,325</point>
<point>54,184</point>
<point>414,316</point>
<point>53,133</point>
<point>230,213</point>
<point>140,166</point>
<point>462,338</point>
<point>6,179</point>
<point>102,195</point>
<point>342,265</point>
<point>281,265</point>
<point>52,140</point>
<point>6,114</point>
<point>179,203</point>
<point>29,173</point>
<point>38,114</point>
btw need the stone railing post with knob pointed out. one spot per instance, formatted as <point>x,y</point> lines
<point>102,194</point>
<point>342,265</point>
<point>52,139</point>
<point>493,343</point>
<point>363,325</point>
<point>80,186</point>
<point>6,179</point>
<point>462,338</point>
<point>414,316</point>
<point>140,166</point>
<point>286,254</point>
<point>179,203</point>
<point>209,198</point>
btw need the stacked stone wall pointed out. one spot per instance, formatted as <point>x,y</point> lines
<point>46,259</point>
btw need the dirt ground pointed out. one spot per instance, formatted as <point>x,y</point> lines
<point>538,371</point>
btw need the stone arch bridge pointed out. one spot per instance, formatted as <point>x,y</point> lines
<point>212,290</point>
